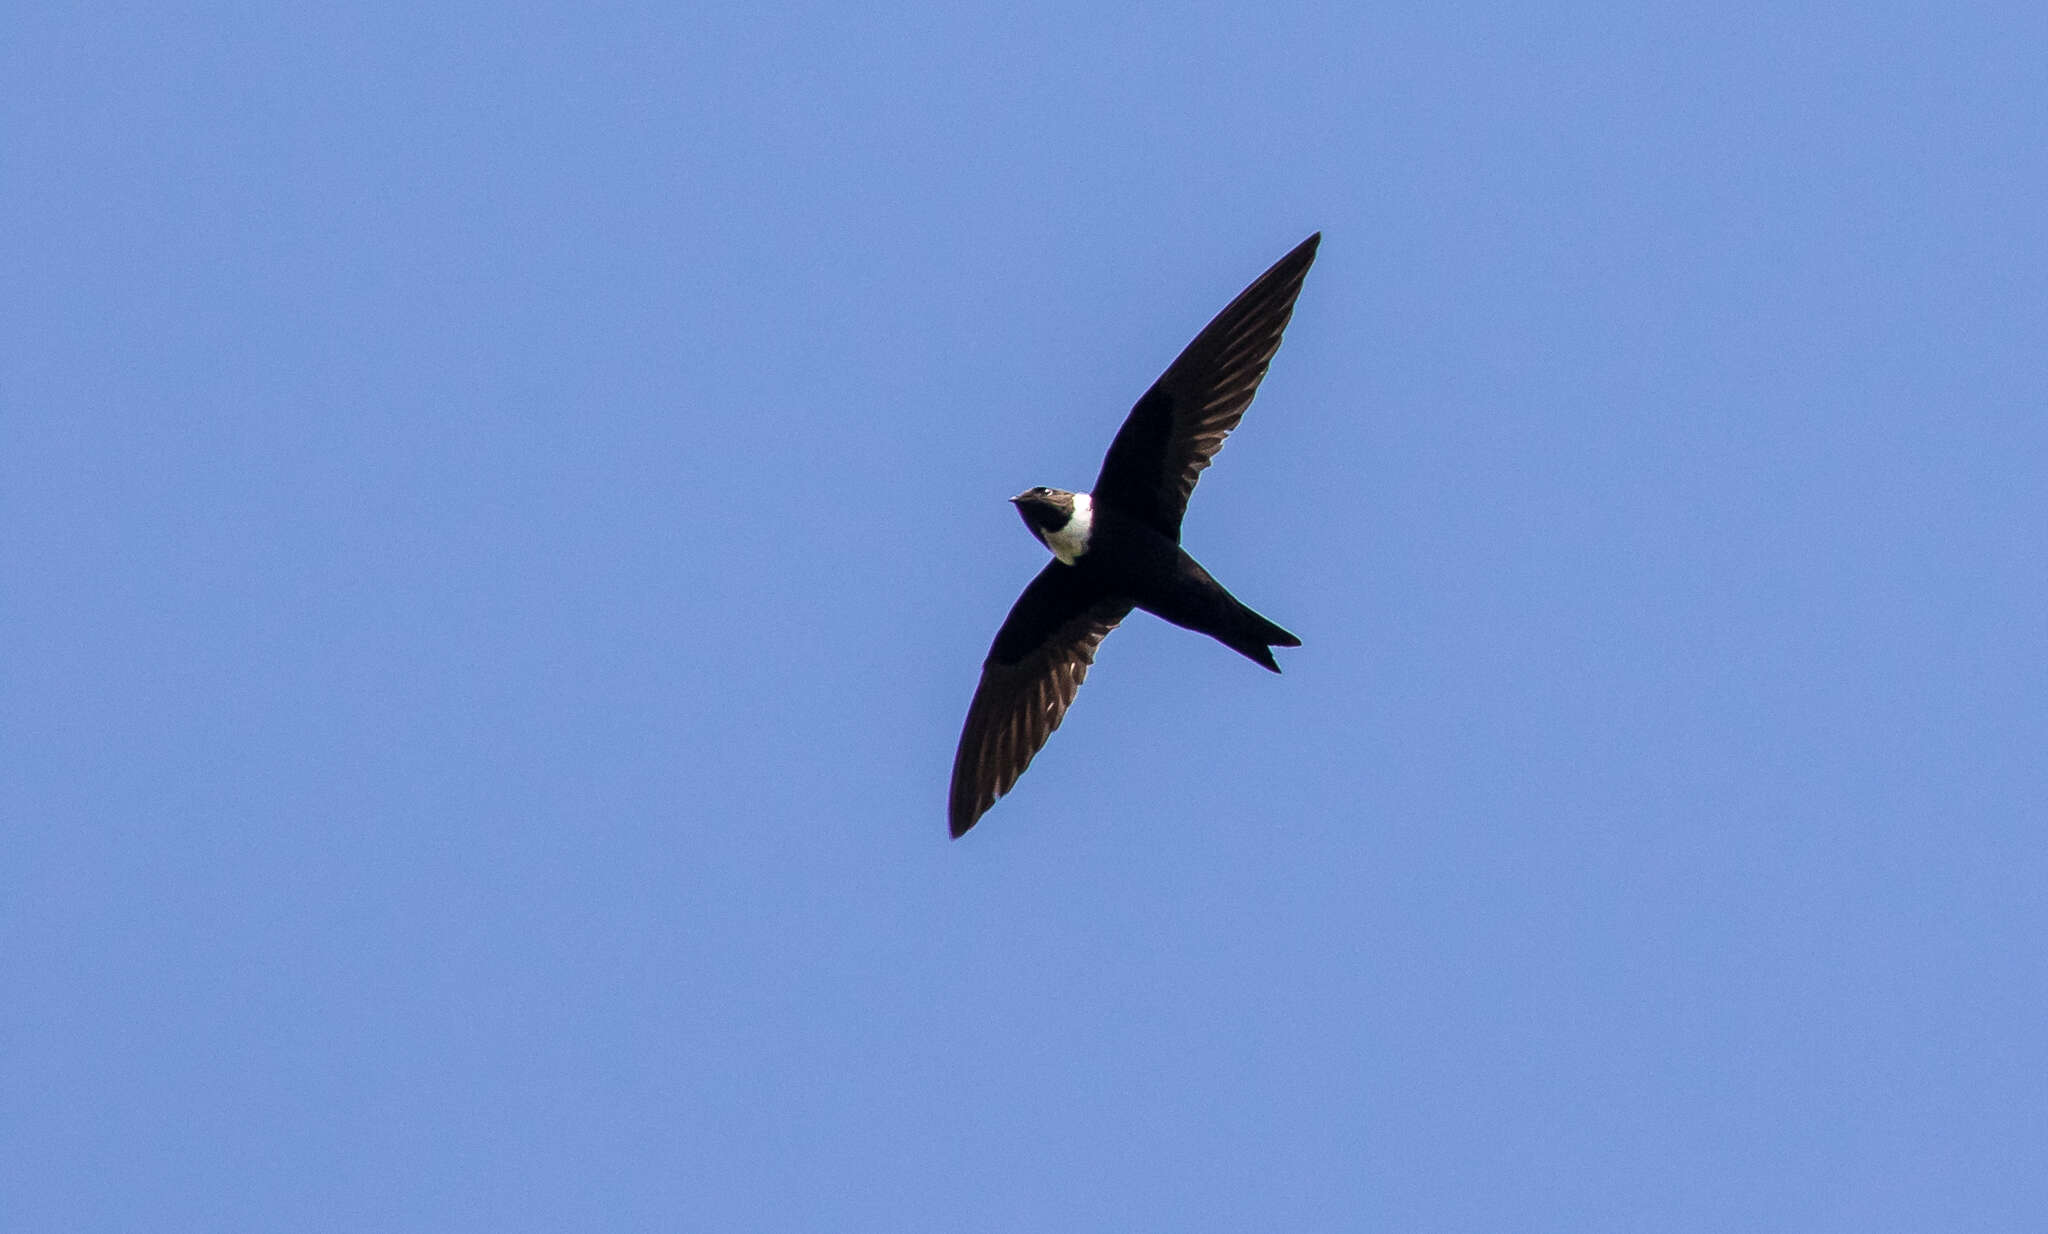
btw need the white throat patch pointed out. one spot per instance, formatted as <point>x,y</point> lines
<point>1069,542</point>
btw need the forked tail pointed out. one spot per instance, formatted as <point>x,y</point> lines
<point>1255,637</point>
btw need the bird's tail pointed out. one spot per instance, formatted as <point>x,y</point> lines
<point>1255,637</point>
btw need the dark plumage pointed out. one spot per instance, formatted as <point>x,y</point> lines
<point>1118,547</point>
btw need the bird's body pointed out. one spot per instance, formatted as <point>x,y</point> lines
<point>1118,547</point>
<point>1127,559</point>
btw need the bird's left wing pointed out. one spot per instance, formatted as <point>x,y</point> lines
<point>1033,670</point>
<point>1173,432</point>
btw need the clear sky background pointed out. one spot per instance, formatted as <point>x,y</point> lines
<point>504,507</point>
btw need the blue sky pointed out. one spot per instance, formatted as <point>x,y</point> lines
<point>505,506</point>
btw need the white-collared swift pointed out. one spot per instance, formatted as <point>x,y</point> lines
<point>1118,547</point>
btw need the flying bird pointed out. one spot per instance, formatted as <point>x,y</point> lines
<point>1117,547</point>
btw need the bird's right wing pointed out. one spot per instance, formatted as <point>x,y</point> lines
<point>1033,670</point>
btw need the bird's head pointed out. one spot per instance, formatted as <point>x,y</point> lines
<point>1059,519</point>
<point>1044,509</point>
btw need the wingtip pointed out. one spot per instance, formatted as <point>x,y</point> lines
<point>1302,255</point>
